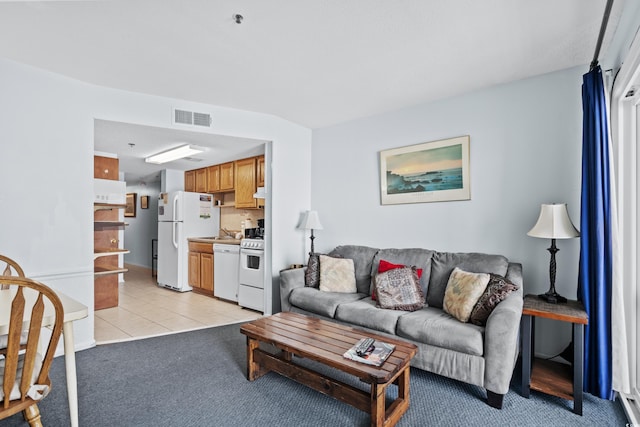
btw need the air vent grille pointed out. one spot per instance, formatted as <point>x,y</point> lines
<point>182,116</point>
<point>202,119</point>
<point>191,118</point>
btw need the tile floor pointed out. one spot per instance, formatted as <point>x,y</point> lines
<point>146,310</point>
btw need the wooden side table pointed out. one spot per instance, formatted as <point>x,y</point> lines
<point>549,377</point>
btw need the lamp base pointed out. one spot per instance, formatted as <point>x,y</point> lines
<point>553,298</point>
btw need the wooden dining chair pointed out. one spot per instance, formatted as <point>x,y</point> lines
<point>24,371</point>
<point>11,268</point>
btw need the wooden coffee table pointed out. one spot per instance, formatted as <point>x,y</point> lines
<point>326,342</point>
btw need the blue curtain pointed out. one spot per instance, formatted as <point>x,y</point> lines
<point>595,274</point>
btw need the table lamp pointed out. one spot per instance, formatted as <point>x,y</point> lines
<point>553,223</point>
<point>310,221</point>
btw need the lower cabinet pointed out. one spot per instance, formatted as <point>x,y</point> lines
<point>201,267</point>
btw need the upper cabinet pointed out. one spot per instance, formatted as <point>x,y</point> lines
<point>201,180</point>
<point>242,177</point>
<point>213,179</point>
<point>260,171</point>
<point>105,168</point>
<point>246,183</point>
<point>190,181</point>
<point>227,180</point>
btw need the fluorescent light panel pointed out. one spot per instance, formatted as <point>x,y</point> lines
<point>173,154</point>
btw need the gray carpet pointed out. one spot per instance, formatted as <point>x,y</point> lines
<point>198,379</point>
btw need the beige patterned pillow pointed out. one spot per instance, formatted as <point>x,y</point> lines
<point>463,292</point>
<point>337,275</point>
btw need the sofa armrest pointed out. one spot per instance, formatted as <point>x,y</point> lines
<point>290,280</point>
<point>501,336</point>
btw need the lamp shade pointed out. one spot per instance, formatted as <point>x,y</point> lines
<point>311,221</point>
<point>554,223</point>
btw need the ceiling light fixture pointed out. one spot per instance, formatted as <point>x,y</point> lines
<point>174,154</point>
<point>238,18</point>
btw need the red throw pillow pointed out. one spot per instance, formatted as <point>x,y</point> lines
<point>386,266</point>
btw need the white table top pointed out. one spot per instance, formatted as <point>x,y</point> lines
<point>73,310</point>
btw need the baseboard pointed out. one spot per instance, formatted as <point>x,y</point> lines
<point>631,405</point>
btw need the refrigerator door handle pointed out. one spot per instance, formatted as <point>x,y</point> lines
<point>175,208</point>
<point>174,232</point>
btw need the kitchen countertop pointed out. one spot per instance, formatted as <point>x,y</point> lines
<point>213,240</point>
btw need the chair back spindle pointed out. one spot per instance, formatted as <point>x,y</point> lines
<point>25,374</point>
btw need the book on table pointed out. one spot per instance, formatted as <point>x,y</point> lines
<point>374,356</point>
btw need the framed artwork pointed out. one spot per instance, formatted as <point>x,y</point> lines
<point>130,210</point>
<point>435,171</point>
<point>144,202</point>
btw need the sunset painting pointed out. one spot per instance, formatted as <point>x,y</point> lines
<point>434,171</point>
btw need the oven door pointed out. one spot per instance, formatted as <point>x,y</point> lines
<point>252,267</point>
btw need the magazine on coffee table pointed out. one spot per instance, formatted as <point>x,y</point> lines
<point>376,357</point>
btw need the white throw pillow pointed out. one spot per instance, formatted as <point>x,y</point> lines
<point>337,275</point>
<point>463,292</point>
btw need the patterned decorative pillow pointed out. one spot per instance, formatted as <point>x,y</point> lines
<point>312,275</point>
<point>463,292</point>
<point>497,290</point>
<point>337,275</point>
<point>399,289</point>
<point>385,265</point>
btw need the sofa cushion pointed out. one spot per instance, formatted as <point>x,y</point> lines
<point>421,258</point>
<point>362,257</point>
<point>497,290</point>
<point>443,264</point>
<point>318,302</point>
<point>399,289</point>
<point>337,275</point>
<point>435,327</point>
<point>463,292</point>
<point>365,313</point>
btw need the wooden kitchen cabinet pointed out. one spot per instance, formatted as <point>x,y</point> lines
<point>260,171</point>
<point>190,181</point>
<point>227,179</point>
<point>201,267</point>
<point>246,183</point>
<point>213,179</point>
<point>105,168</point>
<point>201,180</point>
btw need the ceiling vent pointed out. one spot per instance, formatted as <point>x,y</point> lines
<point>191,118</point>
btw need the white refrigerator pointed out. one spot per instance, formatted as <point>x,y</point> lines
<point>182,215</point>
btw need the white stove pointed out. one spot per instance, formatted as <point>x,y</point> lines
<point>251,274</point>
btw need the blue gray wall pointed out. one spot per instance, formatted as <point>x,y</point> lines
<point>525,151</point>
<point>144,227</point>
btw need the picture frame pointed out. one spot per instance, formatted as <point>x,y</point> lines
<point>130,209</point>
<point>435,171</point>
<point>144,202</point>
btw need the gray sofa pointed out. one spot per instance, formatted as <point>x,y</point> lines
<point>483,356</point>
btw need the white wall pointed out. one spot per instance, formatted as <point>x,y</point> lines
<point>144,226</point>
<point>525,151</point>
<point>46,134</point>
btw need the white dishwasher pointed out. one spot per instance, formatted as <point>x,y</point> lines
<point>226,262</point>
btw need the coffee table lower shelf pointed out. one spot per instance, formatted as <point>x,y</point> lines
<point>303,336</point>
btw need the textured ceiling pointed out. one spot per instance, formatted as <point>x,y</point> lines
<point>315,62</point>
